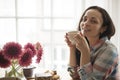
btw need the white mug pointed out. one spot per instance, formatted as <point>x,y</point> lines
<point>71,35</point>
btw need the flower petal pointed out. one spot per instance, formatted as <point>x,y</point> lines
<point>26,58</point>
<point>31,46</point>
<point>12,50</point>
<point>4,62</point>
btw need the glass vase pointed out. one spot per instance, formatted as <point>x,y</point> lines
<point>14,71</point>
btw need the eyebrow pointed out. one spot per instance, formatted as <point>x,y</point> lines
<point>91,17</point>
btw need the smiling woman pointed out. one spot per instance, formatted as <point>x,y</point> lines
<point>93,56</point>
<point>44,20</point>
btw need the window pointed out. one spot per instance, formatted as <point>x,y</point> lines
<point>45,21</point>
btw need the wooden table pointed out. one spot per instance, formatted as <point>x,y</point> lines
<point>30,79</point>
<point>33,78</point>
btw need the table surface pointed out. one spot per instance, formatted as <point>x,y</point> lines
<point>30,79</point>
<point>58,79</point>
<point>61,78</point>
<point>64,75</point>
<point>67,78</point>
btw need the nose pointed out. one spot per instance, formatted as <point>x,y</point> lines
<point>87,22</point>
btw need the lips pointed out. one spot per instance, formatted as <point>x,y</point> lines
<point>86,30</point>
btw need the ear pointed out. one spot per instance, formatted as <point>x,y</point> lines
<point>103,29</point>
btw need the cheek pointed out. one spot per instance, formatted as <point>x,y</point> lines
<point>97,30</point>
<point>81,25</point>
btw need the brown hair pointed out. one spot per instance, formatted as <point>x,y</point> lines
<point>107,22</point>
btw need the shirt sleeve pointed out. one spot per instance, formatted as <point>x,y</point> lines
<point>73,73</point>
<point>102,67</point>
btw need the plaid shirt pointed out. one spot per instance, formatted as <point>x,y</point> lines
<point>103,65</point>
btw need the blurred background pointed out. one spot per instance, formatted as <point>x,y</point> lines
<point>47,21</point>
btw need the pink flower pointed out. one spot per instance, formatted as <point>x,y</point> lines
<point>37,46</point>
<point>39,50</point>
<point>13,54</point>
<point>39,55</point>
<point>31,46</point>
<point>4,62</point>
<point>12,50</point>
<point>26,58</point>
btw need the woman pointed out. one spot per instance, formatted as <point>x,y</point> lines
<point>93,57</point>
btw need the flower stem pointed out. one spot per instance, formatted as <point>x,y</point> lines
<point>14,70</point>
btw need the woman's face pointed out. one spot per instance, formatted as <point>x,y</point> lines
<point>91,24</point>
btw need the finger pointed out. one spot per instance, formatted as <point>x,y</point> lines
<point>78,37</point>
<point>66,35</point>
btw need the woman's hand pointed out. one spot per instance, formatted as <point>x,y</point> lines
<point>69,43</point>
<point>81,42</point>
<point>83,47</point>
